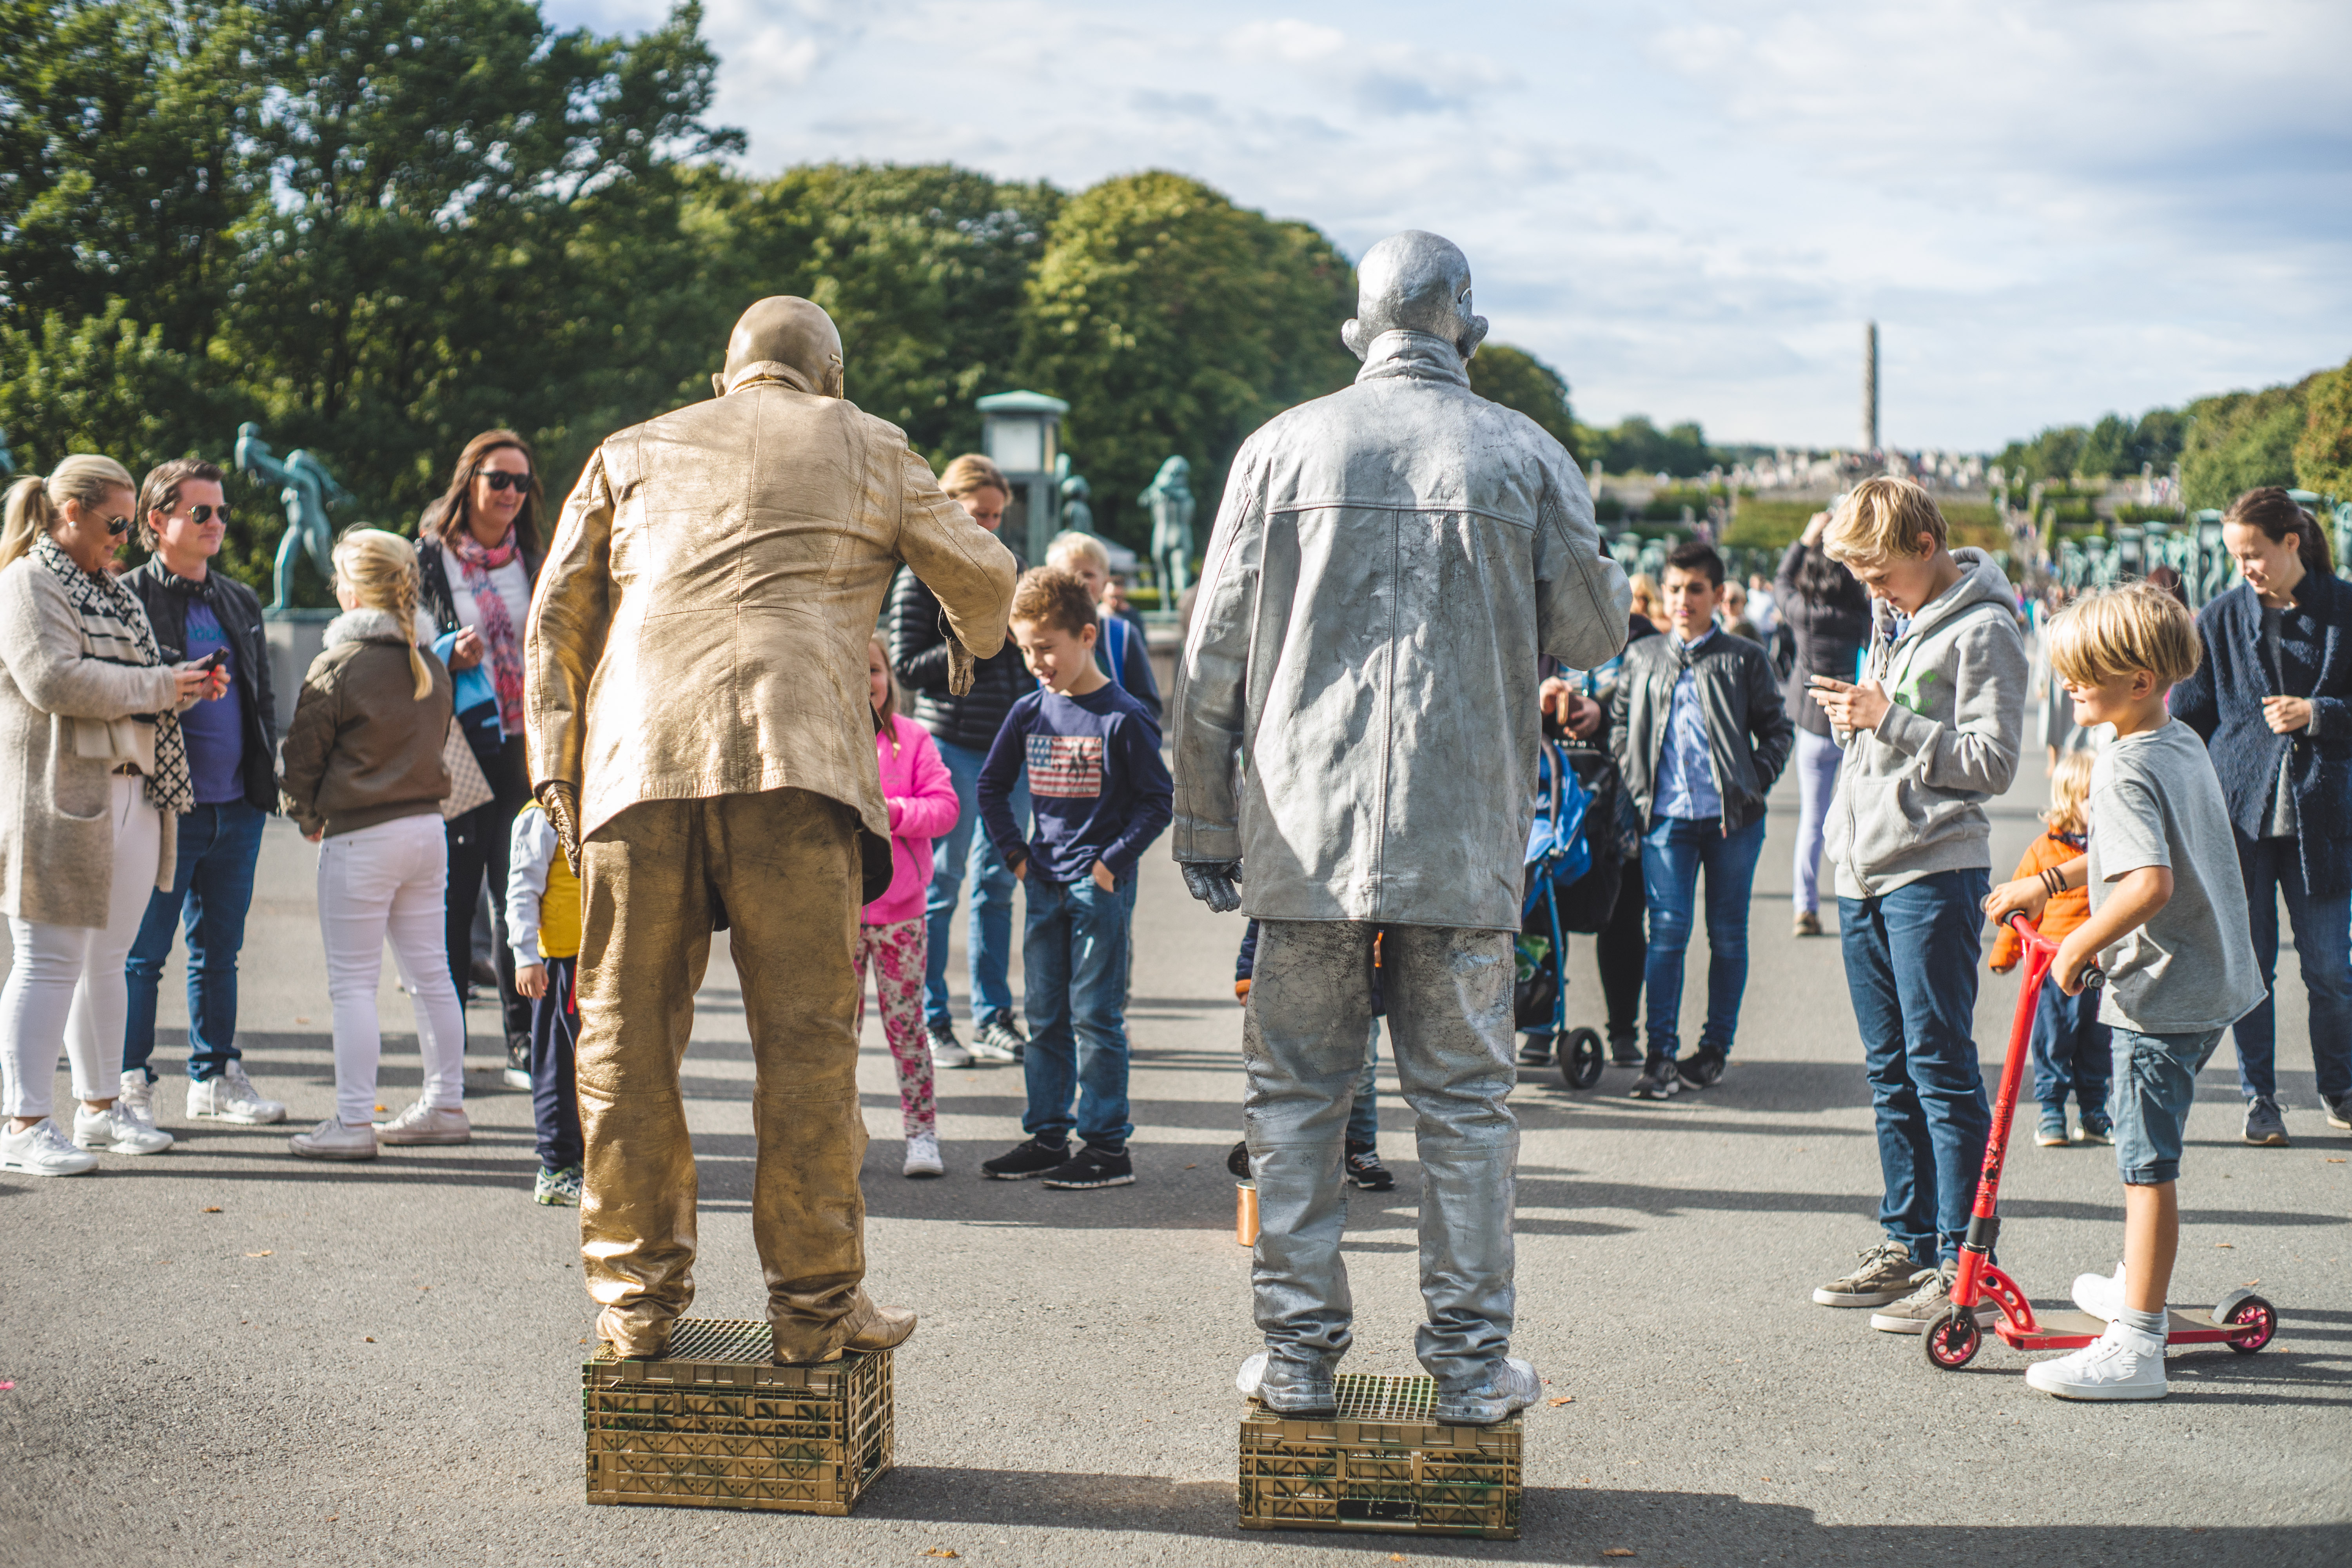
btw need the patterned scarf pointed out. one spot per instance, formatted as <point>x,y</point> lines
<point>477,561</point>
<point>117,633</point>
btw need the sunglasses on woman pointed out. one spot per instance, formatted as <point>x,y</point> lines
<point>500,479</point>
<point>118,526</point>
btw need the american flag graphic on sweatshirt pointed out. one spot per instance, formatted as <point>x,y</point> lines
<point>1066,767</point>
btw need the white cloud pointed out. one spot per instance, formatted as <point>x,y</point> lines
<point>1691,205</point>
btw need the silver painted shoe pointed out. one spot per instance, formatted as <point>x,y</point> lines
<point>1285,1390</point>
<point>1510,1386</point>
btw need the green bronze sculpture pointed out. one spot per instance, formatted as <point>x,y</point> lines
<point>309,489</point>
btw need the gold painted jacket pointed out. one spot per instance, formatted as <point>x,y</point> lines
<point>699,627</point>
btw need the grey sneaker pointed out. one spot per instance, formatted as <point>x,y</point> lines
<point>1510,1386</point>
<point>2265,1128</point>
<point>1912,1314</point>
<point>1884,1275</point>
<point>998,1039</point>
<point>1659,1081</point>
<point>1286,1390</point>
<point>231,1097</point>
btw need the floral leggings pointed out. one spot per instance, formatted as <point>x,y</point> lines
<point>897,954</point>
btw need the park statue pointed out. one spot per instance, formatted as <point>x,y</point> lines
<point>1393,742</point>
<point>309,489</point>
<point>7,457</point>
<point>700,734</point>
<point>1170,498</point>
<point>1077,517</point>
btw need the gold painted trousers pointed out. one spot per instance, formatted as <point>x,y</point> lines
<point>780,868</point>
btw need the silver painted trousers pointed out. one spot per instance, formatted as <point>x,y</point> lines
<point>1448,992</point>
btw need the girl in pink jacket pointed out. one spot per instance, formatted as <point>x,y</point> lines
<point>922,801</point>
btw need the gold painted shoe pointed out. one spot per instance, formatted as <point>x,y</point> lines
<point>887,1329</point>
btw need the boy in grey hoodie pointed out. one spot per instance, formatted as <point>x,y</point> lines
<point>1930,733</point>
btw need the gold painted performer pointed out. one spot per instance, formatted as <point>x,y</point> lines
<point>700,733</point>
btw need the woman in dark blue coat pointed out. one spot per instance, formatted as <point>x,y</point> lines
<point>2274,702</point>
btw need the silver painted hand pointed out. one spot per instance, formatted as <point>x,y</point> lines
<point>1214,883</point>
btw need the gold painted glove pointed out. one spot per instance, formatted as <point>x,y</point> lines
<point>960,666</point>
<point>561,804</point>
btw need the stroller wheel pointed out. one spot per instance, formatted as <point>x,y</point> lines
<point>1580,1058</point>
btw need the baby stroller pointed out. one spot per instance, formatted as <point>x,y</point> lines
<point>1569,888</point>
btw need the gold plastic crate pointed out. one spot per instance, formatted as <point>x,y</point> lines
<point>1382,1463</point>
<point>715,1424</point>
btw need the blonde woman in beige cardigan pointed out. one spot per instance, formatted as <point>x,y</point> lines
<point>89,728</point>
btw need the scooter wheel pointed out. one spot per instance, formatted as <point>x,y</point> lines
<point>1581,1058</point>
<point>1952,1341</point>
<point>2259,1315</point>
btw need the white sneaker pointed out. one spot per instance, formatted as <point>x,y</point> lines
<point>2122,1363</point>
<point>421,1123</point>
<point>41,1150</point>
<point>330,1139</point>
<point>134,1101</point>
<point>118,1132</point>
<point>231,1097</point>
<point>2099,1295</point>
<point>923,1155</point>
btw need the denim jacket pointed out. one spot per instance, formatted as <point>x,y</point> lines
<point>1390,564</point>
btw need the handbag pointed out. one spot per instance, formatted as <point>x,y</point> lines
<point>469,787</point>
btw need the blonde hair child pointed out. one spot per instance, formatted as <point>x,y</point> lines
<point>377,570</point>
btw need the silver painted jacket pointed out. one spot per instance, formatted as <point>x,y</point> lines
<point>1389,564</point>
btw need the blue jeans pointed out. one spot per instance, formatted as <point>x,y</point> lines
<point>1074,953</point>
<point>2073,1053</point>
<point>2323,942</point>
<point>1816,764</point>
<point>2156,1083</point>
<point>1672,854</point>
<point>212,888</point>
<point>1911,968</point>
<point>1364,1115</point>
<point>968,850</point>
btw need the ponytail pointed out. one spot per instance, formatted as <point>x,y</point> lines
<point>2275,514</point>
<point>32,506</point>
<point>380,568</point>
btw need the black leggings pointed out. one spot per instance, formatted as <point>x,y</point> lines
<point>1621,950</point>
<point>479,843</point>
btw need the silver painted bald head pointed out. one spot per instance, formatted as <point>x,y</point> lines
<point>1416,282</point>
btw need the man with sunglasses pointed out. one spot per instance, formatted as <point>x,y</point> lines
<point>232,743</point>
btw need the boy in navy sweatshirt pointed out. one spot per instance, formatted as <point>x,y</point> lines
<point>1101,794</point>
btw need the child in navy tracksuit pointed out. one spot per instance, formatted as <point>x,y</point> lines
<point>1101,794</point>
<point>544,928</point>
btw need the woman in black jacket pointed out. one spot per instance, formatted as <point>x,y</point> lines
<point>1828,616</point>
<point>963,728</point>
<point>2272,700</point>
<point>478,558</point>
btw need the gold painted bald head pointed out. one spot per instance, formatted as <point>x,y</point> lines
<point>784,330</point>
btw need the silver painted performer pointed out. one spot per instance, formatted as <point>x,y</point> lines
<point>1388,566</point>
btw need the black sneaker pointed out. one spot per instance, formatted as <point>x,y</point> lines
<point>998,1039</point>
<point>518,1073</point>
<point>1534,1051</point>
<point>1092,1166</point>
<point>1626,1051</point>
<point>2339,1110</point>
<point>1237,1160</point>
<point>1658,1080</point>
<point>1031,1158</point>
<point>1704,1069</point>
<point>947,1051</point>
<point>1365,1169</point>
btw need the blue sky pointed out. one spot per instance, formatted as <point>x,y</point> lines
<point>1690,208</point>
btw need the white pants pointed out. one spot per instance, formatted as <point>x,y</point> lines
<point>65,984</point>
<point>390,881</point>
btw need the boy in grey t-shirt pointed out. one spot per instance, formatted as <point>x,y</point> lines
<point>2168,926</point>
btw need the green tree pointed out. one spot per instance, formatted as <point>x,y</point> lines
<point>2055,453</point>
<point>1637,446</point>
<point>2323,453</point>
<point>1176,323</point>
<point>1516,379</point>
<point>2106,448</point>
<point>2241,440</point>
<point>921,267</point>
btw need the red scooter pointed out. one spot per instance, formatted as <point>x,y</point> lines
<point>2240,1319</point>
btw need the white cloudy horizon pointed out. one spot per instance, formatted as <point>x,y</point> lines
<point>1690,208</point>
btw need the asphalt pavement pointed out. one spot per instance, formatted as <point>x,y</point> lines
<point>222,1354</point>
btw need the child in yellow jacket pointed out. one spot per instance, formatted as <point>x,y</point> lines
<point>2072,1050</point>
<point>543,925</point>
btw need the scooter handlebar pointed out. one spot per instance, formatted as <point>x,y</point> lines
<point>2093,977</point>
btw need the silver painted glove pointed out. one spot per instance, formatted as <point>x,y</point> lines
<point>1216,884</point>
